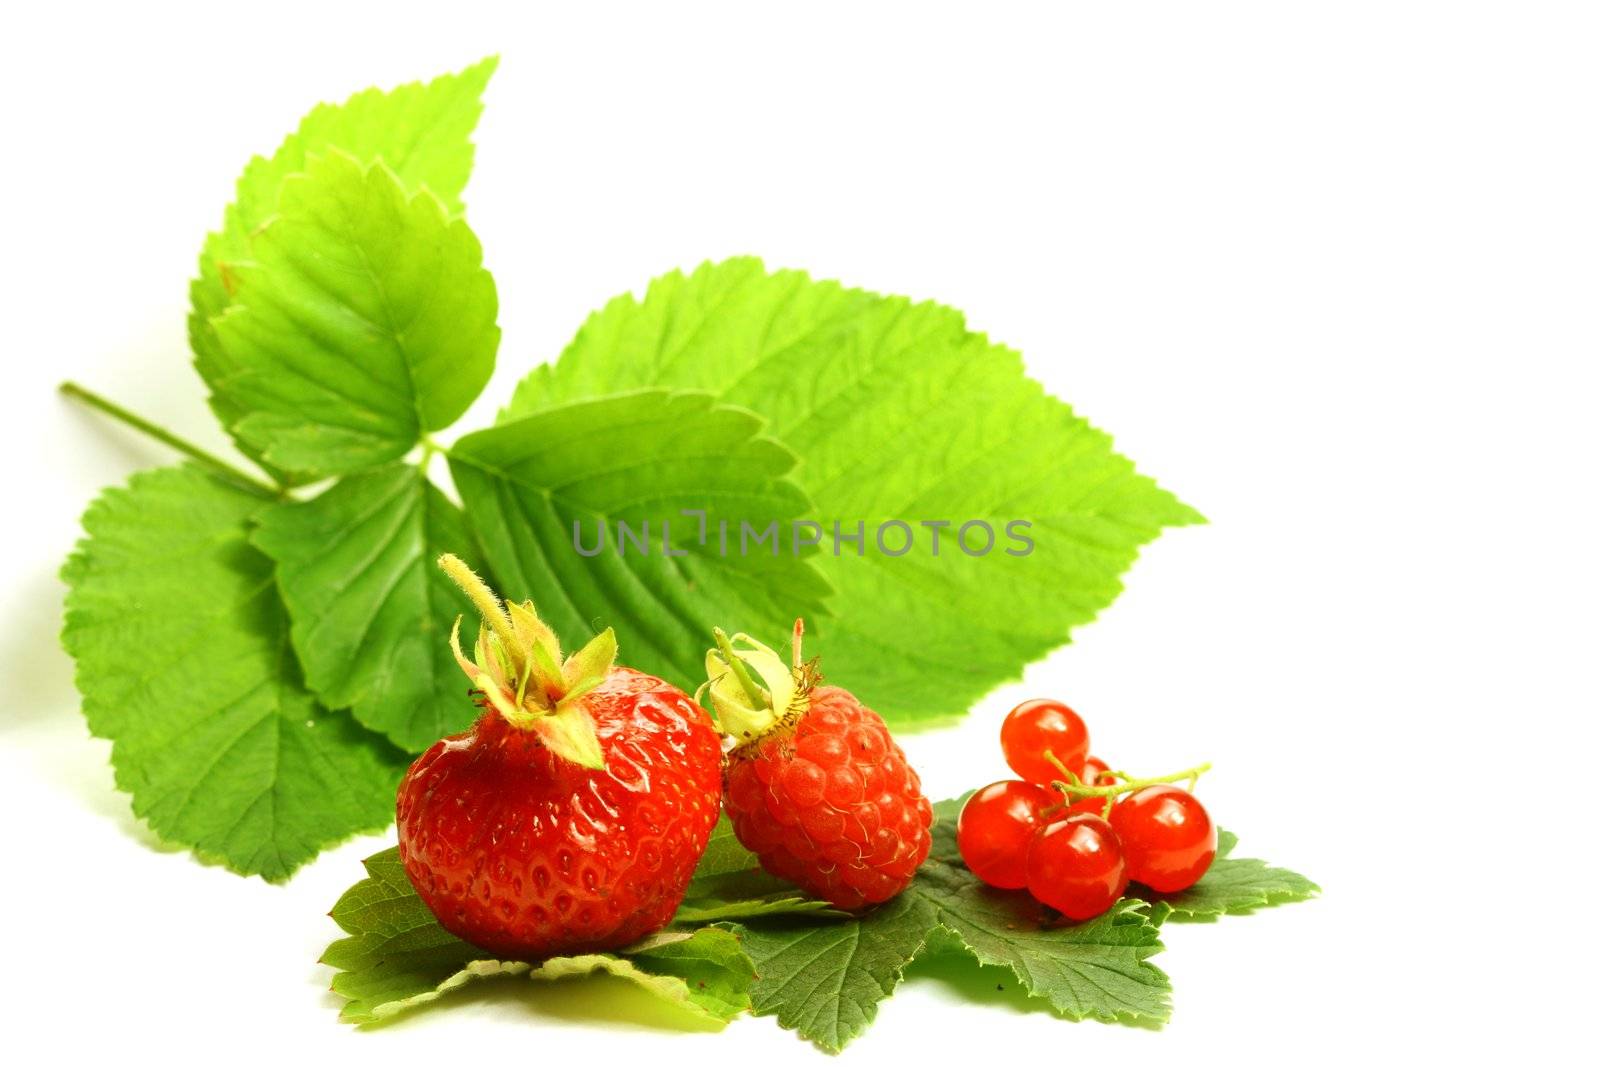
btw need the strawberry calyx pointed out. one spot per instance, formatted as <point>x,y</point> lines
<point>752,690</point>
<point>516,663</point>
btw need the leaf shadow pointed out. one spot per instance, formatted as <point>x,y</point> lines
<point>579,1000</point>
<point>38,672</point>
<point>947,963</point>
<point>973,982</point>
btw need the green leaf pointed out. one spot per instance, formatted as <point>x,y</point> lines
<point>729,883</point>
<point>1089,970</point>
<point>639,459</point>
<point>744,895</point>
<point>712,972</point>
<point>825,978</point>
<point>724,854</point>
<point>1097,969</point>
<point>1232,887</point>
<point>370,610</point>
<point>398,957</point>
<point>184,663</point>
<point>422,132</point>
<point>748,904</point>
<point>365,320</point>
<point>898,412</point>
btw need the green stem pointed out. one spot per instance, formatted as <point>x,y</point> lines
<point>1072,787</point>
<point>758,696</point>
<point>170,439</point>
<point>430,448</point>
<point>492,611</point>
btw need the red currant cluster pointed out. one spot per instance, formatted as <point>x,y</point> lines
<point>1073,832</point>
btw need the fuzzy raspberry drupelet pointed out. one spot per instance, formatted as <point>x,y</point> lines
<point>820,793</point>
<point>567,828</point>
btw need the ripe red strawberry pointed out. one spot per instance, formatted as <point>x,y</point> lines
<point>571,816</point>
<point>816,787</point>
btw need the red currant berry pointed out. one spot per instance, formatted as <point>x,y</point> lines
<point>995,827</point>
<point>1075,865</point>
<point>1167,836</point>
<point>1037,726</point>
<point>1095,772</point>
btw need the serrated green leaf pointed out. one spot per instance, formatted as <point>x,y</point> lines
<point>398,957</point>
<point>422,132</point>
<point>729,883</point>
<point>1096,969</point>
<point>711,968</point>
<point>743,895</point>
<point>1089,970</point>
<point>898,412</point>
<point>724,854</point>
<point>365,320</point>
<point>826,979</point>
<point>1232,887</point>
<point>637,458</point>
<point>184,663</point>
<point>740,904</point>
<point>370,611</point>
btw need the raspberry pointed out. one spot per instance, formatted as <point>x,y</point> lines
<point>821,794</point>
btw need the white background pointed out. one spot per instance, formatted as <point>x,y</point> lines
<point>1327,271</point>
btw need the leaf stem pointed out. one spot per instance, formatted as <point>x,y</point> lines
<point>430,448</point>
<point>171,440</point>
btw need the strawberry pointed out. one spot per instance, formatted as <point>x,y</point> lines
<point>570,817</point>
<point>815,785</point>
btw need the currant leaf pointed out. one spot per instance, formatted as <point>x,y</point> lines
<point>369,608</point>
<point>1231,887</point>
<point>724,854</point>
<point>901,413</point>
<point>640,459</point>
<point>742,896</point>
<point>422,132</point>
<point>398,957</point>
<point>824,978</point>
<point>184,664</point>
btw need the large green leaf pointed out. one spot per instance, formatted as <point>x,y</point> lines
<point>422,132</point>
<point>366,319</point>
<point>370,610</point>
<point>825,978</point>
<point>184,663</point>
<point>640,459</point>
<point>898,412</point>
<point>397,957</point>
<point>1232,887</point>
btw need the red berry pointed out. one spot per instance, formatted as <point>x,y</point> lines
<point>573,827</point>
<point>1037,726</point>
<point>527,854</point>
<point>1075,866</point>
<point>996,825</point>
<point>1095,772</point>
<point>1167,836</point>
<point>829,803</point>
